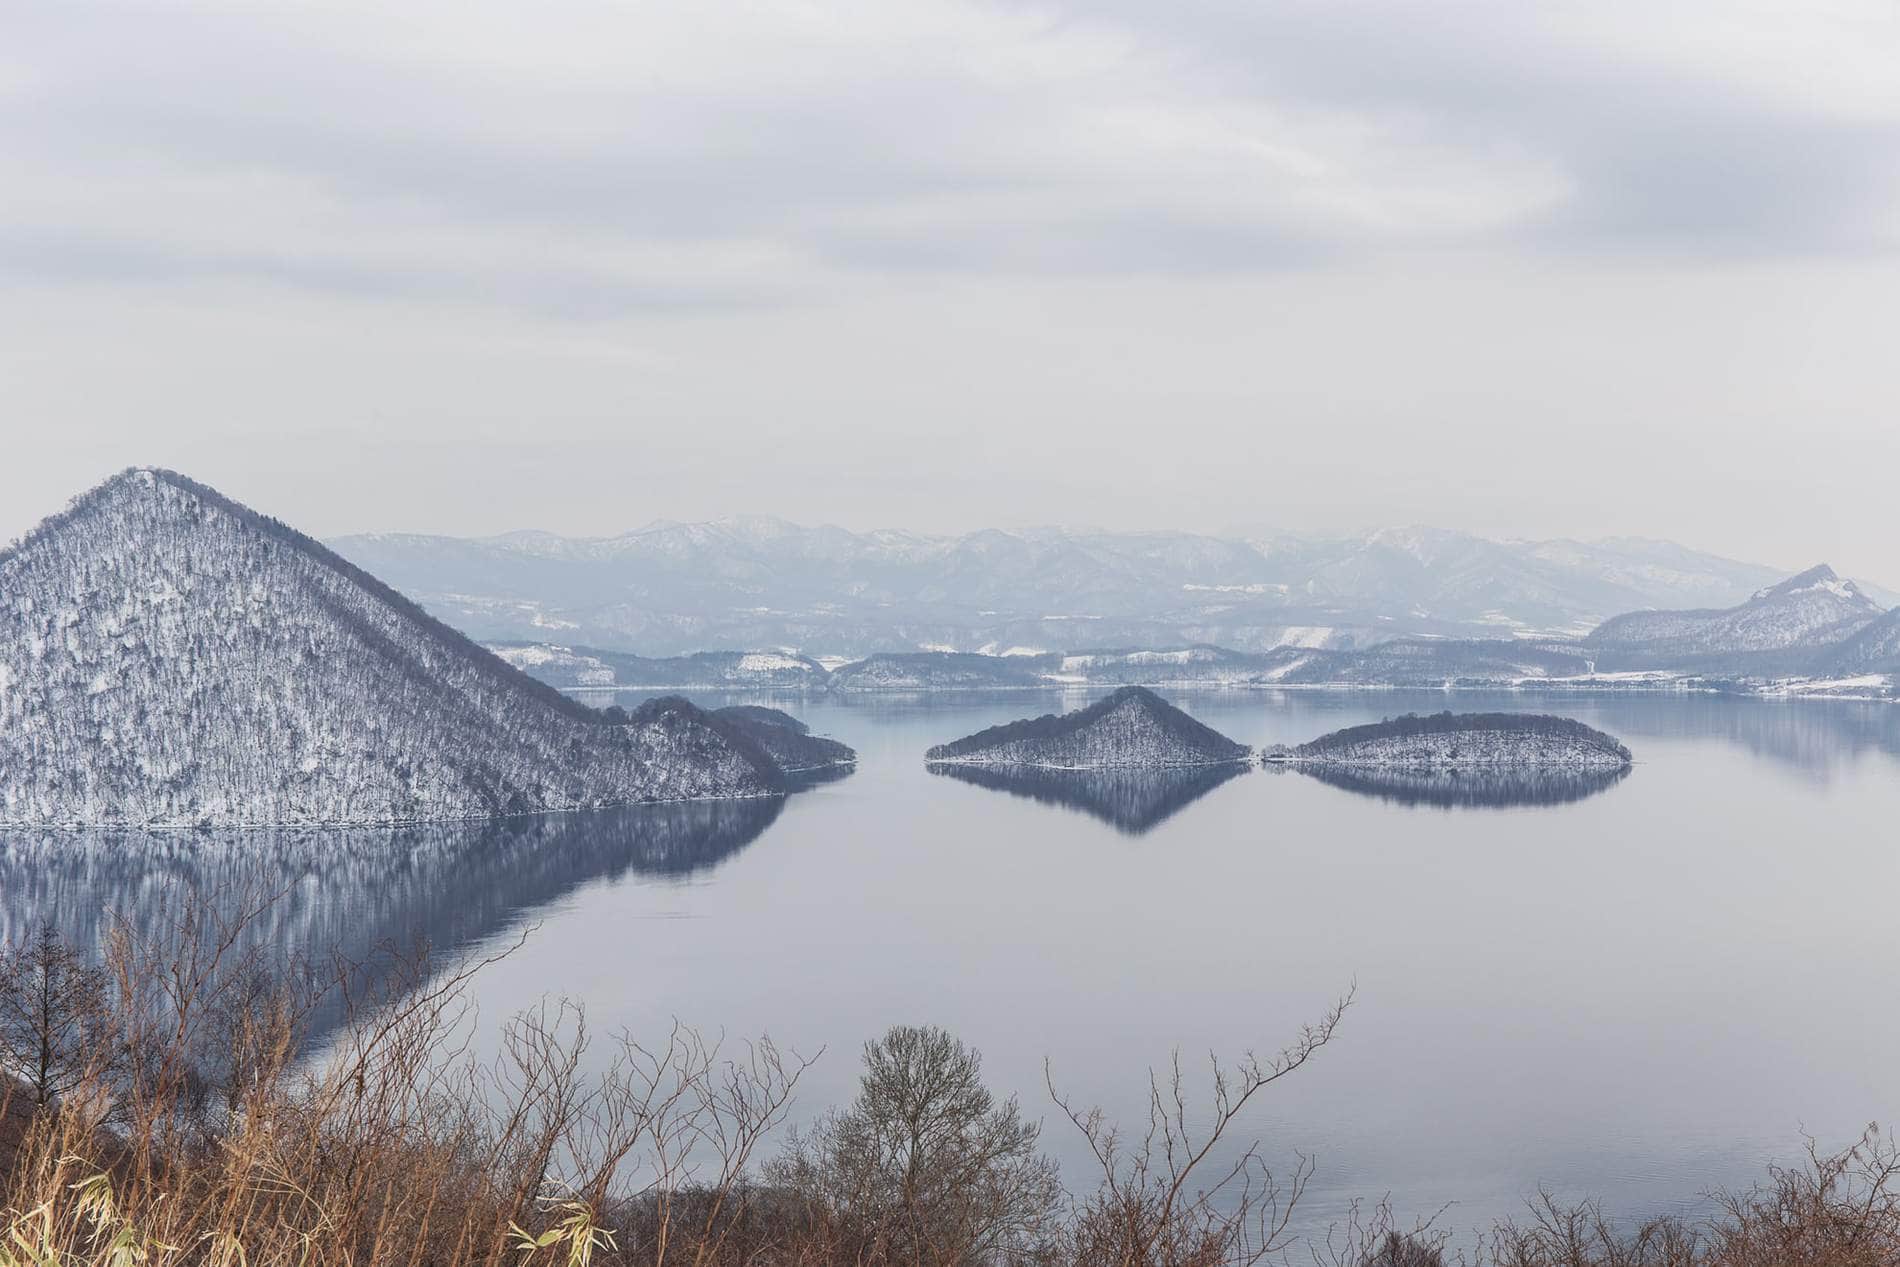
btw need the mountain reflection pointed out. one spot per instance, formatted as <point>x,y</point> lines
<point>1466,787</point>
<point>363,894</point>
<point>1133,801</point>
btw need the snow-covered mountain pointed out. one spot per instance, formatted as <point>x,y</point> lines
<point>1130,727</point>
<point>671,588</point>
<point>171,658</point>
<point>1812,609</point>
<point>1873,648</point>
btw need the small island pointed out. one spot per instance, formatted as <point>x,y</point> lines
<point>1479,740</point>
<point>1131,727</point>
<point>786,740</point>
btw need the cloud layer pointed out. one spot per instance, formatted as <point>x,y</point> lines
<point>668,191</point>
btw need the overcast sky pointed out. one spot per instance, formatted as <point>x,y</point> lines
<point>1527,269</point>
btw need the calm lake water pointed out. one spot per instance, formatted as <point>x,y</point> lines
<point>1637,991</point>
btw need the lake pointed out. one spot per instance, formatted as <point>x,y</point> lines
<point>1638,991</point>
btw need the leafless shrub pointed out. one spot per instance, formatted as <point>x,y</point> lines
<point>168,1115</point>
<point>926,1167</point>
<point>1158,1203</point>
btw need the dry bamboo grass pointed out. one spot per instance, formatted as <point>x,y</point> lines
<point>200,1133</point>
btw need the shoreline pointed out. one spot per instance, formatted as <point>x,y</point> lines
<point>1553,686</point>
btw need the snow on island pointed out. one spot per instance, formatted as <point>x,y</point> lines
<point>1479,740</point>
<point>170,658</point>
<point>1131,727</point>
<point>787,740</point>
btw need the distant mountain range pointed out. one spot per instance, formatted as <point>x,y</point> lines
<point>1811,634</point>
<point>169,657</point>
<point>672,588</point>
<point>1813,608</point>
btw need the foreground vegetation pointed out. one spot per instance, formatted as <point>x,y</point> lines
<point>154,1110</point>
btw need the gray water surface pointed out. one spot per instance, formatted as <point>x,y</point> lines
<point>1639,991</point>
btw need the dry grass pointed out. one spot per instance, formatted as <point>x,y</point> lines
<point>194,1134</point>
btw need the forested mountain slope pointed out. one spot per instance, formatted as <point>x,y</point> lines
<point>1874,648</point>
<point>787,740</point>
<point>1814,608</point>
<point>171,658</point>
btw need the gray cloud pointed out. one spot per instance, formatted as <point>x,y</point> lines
<point>1545,269</point>
<point>53,257</point>
<point>1660,155</point>
<point>1250,137</point>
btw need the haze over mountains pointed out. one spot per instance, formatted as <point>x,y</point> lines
<point>1813,633</point>
<point>672,588</point>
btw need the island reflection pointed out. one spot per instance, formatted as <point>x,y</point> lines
<point>371,896</point>
<point>1133,800</point>
<point>1464,787</point>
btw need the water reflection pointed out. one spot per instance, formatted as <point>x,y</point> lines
<point>806,780</point>
<point>366,894</point>
<point>1818,738</point>
<point>1133,801</point>
<point>1465,787</point>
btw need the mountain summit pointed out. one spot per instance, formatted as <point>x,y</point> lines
<point>1131,727</point>
<point>169,657</point>
<point>1812,608</point>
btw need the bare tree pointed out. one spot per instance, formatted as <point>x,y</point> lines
<point>927,1167</point>
<point>1162,1200</point>
<point>55,1016</point>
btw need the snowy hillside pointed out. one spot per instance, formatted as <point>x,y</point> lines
<point>788,741</point>
<point>1812,609</point>
<point>1465,739</point>
<point>171,658</point>
<point>1875,648</point>
<point>1131,727</point>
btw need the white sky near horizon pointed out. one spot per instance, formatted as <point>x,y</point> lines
<point>1563,269</point>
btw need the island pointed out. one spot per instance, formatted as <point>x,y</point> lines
<point>1131,727</point>
<point>787,740</point>
<point>1482,740</point>
<point>171,658</point>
